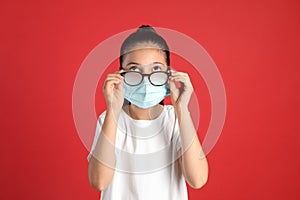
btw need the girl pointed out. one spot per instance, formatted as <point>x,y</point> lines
<point>142,148</point>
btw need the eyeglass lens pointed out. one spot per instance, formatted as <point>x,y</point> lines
<point>135,78</point>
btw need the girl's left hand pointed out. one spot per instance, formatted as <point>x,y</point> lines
<point>180,96</point>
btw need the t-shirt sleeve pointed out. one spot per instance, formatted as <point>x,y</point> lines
<point>97,133</point>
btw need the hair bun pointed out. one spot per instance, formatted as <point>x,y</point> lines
<point>145,28</point>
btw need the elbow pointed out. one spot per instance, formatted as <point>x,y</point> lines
<point>96,181</point>
<point>198,183</point>
<point>98,186</point>
<point>199,180</point>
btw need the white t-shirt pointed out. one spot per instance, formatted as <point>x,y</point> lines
<point>146,151</point>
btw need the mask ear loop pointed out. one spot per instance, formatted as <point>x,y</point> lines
<point>126,102</point>
<point>169,74</point>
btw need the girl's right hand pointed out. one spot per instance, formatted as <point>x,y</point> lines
<point>113,91</point>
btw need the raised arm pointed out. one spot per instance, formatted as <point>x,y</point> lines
<point>193,161</point>
<point>102,162</point>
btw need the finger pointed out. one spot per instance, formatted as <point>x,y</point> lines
<point>180,79</point>
<point>113,78</point>
<point>185,83</point>
<point>115,75</point>
<point>172,85</point>
<point>119,71</point>
<point>173,71</point>
<point>176,73</point>
<point>173,88</point>
<point>119,86</point>
<point>183,77</point>
<point>118,77</point>
<point>112,82</point>
<point>180,74</point>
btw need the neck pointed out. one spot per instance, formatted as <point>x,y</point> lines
<point>144,114</point>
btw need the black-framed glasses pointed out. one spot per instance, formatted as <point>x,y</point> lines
<point>134,78</point>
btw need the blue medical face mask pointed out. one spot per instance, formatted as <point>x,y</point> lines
<point>145,95</point>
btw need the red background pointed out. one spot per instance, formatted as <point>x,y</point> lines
<point>255,45</point>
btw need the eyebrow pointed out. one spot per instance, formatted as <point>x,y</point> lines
<point>134,63</point>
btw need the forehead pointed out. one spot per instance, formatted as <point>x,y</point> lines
<point>144,56</point>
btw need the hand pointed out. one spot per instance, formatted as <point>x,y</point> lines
<point>113,91</point>
<point>180,96</point>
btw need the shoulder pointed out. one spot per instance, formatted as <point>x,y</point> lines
<point>101,117</point>
<point>169,115</point>
<point>169,110</point>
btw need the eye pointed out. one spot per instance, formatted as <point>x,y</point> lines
<point>134,68</point>
<point>157,68</point>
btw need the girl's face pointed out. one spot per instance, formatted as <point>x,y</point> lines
<point>146,60</point>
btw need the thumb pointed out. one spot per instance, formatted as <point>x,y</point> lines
<point>174,90</point>
<point>172,85</point>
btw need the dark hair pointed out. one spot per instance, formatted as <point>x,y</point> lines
<point>144,34</point>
